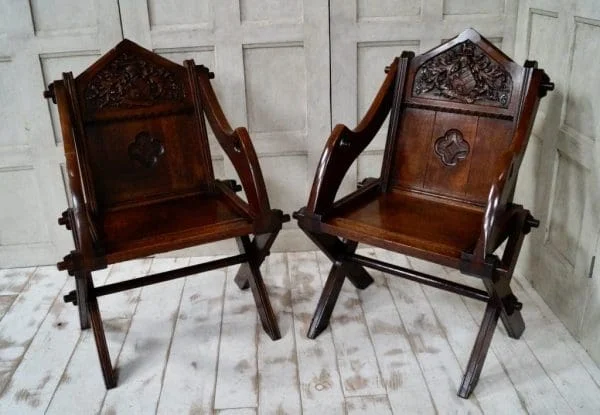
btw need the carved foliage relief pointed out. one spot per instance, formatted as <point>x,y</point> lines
<point>464,73</point>
<point>452,147</point>
<point>130,82</point>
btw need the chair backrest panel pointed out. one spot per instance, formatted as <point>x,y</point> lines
<point>141,138</point>
<point>143,159</point>
<point>457,118</point>
<point>449,154</point>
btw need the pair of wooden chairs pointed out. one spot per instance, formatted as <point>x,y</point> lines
<point>142,183</point>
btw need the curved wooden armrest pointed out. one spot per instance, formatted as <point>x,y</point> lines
<point>238,147</point>
<point>496,208</point>
<point>500,196</point>
<point>345,145</point>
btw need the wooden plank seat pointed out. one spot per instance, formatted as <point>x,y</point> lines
<point>203,219</point>
<point>410,223</point>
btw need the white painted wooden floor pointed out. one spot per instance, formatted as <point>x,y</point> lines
<point>194,346</point>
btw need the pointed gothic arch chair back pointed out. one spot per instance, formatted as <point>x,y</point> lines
<point>141,178</point>
<point>460,119</point>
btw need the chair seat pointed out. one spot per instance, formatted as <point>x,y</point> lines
<point>412,224</point>
<point>149,229</point>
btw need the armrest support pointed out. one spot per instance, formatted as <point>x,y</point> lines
<point>80,218</point>
<point>500,197</point>
<point>238,147</point>
<point>496,208</point>
<point>344,146</point>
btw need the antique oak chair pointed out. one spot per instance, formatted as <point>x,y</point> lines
<point>141,179</point>
<point>460,119</point>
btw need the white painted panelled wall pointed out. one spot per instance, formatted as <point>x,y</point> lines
<point>291,69</point>
<point>560,177</point>
<point>286,69</point>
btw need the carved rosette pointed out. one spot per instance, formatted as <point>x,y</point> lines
<point>464,73</point>
<point>130,82</point>
<point>452,147</point>
<point>146,149</point>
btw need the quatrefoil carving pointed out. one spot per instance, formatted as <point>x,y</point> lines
<point>452,147</point>
<point>146,149</point>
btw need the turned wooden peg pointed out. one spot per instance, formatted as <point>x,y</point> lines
<point>65,220</point>
<point>512,304</point>
<point>70,298</point>
<point>530,222</point>
<point>49,93</point>
<point>548,86</point>
<point>232,184</point>
<point>203,68</point>
<point>65,263</point>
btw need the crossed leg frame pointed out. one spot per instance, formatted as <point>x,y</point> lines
<point>252,254</point>
<point>501,303</point>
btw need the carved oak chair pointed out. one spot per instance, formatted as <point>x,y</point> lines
<point>141,179</point>
<point>460,119</point>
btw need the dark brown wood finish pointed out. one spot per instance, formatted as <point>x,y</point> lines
<point>142,182</point>
<point>460,119</point>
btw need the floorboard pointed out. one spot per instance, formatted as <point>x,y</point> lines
<point>22,321</point>
<point>399,366</point>
<point>429,342</point>
<point>237,374</point>
<point>146,349</point>
<point>278,383</point>
<point>357,363</point>
<point>189,380</point>
<point>194,345</point>
<point>81,389</point>
<point>320,386</point>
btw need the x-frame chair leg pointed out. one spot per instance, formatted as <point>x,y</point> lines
<point>333,247</point>
<point>502,304</point>
<point>328,298</point>
<point>257,285</point>
<point>81,289</point>
<point>89,300</point>
<point>263,243</point>
<point>511,314</point>
<point>480,349</point>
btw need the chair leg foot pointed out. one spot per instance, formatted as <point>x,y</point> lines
<point>316,328</point>
<point>241,278</point>
<point>327,301</point>
<point>514,324</point>
<point>359,277</point>
<point>357,274</point>
<point>110,375</point>
<point>480,349</point>
<point>81,287</point>
<point>249,273</point>
<point>263,304</point>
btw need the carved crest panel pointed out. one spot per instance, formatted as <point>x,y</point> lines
<point>130,81</point>
<point>452,147</point>
<point>464,73</point>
